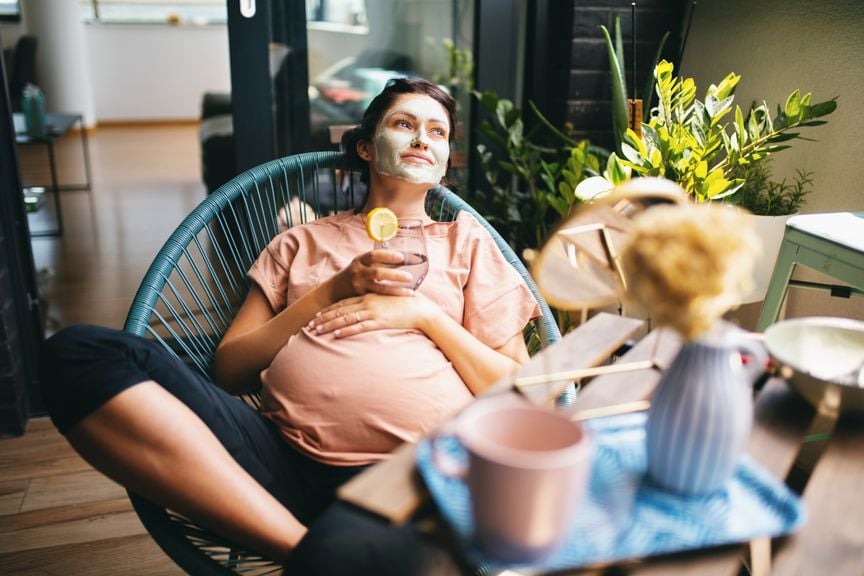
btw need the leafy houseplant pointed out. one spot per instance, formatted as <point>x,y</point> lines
<point>762,196</point>
<point>532,187</point>
<point>697,145</point>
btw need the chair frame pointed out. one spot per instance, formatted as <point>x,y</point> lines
<point>197,281</point>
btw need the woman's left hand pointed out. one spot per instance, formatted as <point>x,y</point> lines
<point>372,312</point>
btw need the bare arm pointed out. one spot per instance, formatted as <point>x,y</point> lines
<point>478,365</point>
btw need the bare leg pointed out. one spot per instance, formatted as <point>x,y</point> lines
<point>147,440</point>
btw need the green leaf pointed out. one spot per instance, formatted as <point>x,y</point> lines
<point>726,87</point>
<point>823,108</point>
<point>716,185</point>
<point>619,89</point>
<point>619,45</point>
<point>740,129</point>
<point>512,115</point>
<point>631,154</point>
<point>509,167</point>
<point>560,206</point>
<point>515,133</point>
<point>701,170</point>
<point>733,186</point>
<point>487,130</point>
<point>720,109</point>
<point>489,100</point>
<point>501,111</point>
<point>792,109</point>
<point>617,172</point>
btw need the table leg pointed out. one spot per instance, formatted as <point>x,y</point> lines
<point>55,189</point>
<point>85,146</point>
<point>778,286</point>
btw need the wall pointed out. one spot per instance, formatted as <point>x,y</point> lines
<point>780,45</point>
<point>156,72</point>
<point>62,63</point>
<point>150,72</point>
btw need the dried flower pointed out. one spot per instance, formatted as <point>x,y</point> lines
<point>687,265</point>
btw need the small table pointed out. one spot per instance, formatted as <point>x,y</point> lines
<point>831,539</point>
<point>832,244</point>
<point>57,125</point>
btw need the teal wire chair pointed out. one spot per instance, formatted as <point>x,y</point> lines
<point>197,282</point>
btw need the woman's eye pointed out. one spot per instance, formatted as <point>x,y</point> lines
<point>402,124</point>
<point>439,132</point>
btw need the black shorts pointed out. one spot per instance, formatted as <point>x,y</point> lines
<point>85,366</point>
<point>82,367</point>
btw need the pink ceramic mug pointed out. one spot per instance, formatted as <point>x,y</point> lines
<point>528,470</point>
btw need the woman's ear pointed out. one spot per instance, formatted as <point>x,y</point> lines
<point>363,150</point>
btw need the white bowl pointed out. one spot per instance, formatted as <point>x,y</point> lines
<point>826,358</point>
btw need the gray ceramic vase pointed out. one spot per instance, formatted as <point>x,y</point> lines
<point>702,411</point>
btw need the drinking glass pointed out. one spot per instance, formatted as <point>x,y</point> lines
<point>411,242</point>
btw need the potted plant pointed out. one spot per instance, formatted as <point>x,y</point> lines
<point>531,180</point>
<point>770,204</point>
<point>716,152</point>
<point>703,145</point>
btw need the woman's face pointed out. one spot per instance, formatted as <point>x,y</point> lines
<point>412,141</point>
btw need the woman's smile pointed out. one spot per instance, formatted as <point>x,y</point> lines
<point>417,158</point>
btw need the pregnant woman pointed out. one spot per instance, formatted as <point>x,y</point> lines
<point>350,364</point>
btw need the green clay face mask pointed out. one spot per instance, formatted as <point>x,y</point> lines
<point>412,141</point>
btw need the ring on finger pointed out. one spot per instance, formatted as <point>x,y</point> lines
<point>357,317</point>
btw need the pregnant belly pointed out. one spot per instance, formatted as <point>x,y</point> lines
<point>353,400</point>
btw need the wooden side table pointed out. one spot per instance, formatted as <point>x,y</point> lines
<point>832,244</point>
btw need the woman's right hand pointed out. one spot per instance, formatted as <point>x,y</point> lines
<point>371,272</point>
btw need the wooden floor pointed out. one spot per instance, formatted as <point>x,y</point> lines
<point>57,515</point>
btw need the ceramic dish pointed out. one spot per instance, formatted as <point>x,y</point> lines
<point>822,358</point>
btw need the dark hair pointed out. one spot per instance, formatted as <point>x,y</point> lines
<point>395,88</point>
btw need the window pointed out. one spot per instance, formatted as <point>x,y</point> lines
<point>155,11</point>
<point>10,11</point>
<point>339,12</point>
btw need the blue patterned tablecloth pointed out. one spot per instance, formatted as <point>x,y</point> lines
<point>625,515</point>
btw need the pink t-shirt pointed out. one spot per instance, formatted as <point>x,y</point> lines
<point>351,401</point>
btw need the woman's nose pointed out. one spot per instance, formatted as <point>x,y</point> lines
<point>419,142</point>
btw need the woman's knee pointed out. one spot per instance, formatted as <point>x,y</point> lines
<point>81,368</point>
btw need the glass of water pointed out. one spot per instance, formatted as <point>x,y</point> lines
<point>410,240</point>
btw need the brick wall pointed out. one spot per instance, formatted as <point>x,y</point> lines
<point>586,64</point>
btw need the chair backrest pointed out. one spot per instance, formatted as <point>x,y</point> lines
<point>197,281</point>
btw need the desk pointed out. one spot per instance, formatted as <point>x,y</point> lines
<point>57,125</point>
<point>830,542</point>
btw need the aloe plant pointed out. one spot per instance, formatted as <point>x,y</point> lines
<point>697,145</point>
<point>617,73</point>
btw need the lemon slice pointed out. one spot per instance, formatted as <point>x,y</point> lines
<point>381,224</point>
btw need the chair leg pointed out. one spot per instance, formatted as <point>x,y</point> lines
<point>778,286</point>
